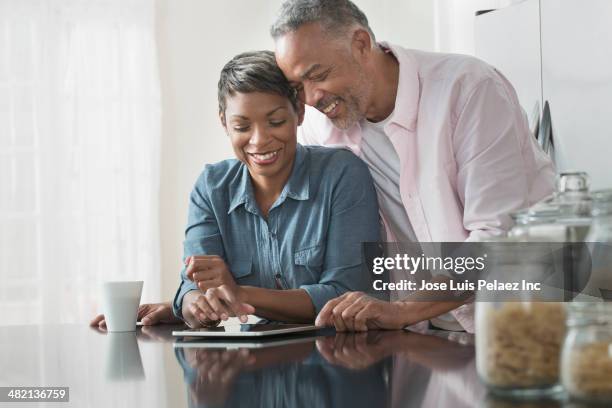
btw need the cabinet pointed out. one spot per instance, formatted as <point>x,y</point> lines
<point>559,52</point>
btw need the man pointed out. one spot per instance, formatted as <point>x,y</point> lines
<point>445,139</point>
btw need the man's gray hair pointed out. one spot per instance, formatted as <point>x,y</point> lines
<point>336,16</point>
<point>253,71</point>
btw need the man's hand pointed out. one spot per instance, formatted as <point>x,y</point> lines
<point>209,271</point>
<point>220,303</point>
<point>356,311</point>
<point>357,351</point>
<point>149,314</point>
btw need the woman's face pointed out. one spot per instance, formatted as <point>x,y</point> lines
<point>263,130</point>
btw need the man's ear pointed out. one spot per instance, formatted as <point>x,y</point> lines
<point>300,111</point>
<point>361,42</point>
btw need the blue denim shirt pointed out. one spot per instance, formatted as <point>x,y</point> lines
<point>312,237</point>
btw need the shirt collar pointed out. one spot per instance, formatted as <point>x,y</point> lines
<point>408,89</point>
<point>296,188</point>
<point>298,185</point>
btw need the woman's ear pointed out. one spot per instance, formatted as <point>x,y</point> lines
<point>300,111</point>
<point>222,118</point>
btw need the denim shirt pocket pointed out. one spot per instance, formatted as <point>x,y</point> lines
<point>241,269</point>
<point>311,259</point>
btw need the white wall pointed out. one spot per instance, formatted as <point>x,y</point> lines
<point>454,23</point>
<point>195,39</point>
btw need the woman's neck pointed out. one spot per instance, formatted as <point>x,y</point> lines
<point>268,189</point>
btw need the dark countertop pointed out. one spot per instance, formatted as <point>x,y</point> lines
<point>375,369</point>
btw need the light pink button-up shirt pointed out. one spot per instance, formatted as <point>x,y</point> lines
<point>467,156</point>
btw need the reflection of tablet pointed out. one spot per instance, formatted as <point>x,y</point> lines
<point>239,343</point>
<point>246,330</point>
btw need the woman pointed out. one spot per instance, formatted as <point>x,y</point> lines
<point>277,231</point>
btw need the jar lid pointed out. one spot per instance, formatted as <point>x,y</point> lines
<point>573,181</point>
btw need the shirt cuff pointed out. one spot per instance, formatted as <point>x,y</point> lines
<point>177,304</point>
<point>320,294</point>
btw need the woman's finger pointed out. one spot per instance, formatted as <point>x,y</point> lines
<point>238,308</point>
<point>195,265</point>
<point>96,320</point>
<point>205,275</point>
<point>215,302</point>
<point>143,310</point>
<point>153,317</point>
<point>203,311</point>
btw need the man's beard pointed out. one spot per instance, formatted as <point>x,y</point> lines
<point>355,100</point>
<point>352,116</point>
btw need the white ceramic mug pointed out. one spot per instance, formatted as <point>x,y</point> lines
<point>120,301</point>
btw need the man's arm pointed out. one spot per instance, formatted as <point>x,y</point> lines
<point>500,168</point>
<point>356,311</point>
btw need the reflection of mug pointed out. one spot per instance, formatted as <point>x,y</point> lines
<point>123,360</point>
<point>120,302</point>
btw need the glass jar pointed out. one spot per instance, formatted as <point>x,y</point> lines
<point>599,282</point>
<point>586,362</point>
<point>518,346</point>
<point>601,228</point>
<point>518,336</point>
<point>562,217</point>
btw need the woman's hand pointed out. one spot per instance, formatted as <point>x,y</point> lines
<point>216,372</point>
<point>209,271</point>
<point>220,303</point>
<point>149,314</point>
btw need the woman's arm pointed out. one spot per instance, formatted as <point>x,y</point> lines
<point>222,297</point>
<point>202,237</point>
<point>220,303</point>
<point>289,305</point>
<point>353,221</point>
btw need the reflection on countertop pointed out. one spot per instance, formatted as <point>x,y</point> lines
<point>327,369</point>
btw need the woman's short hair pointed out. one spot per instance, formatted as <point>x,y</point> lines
<point>253,71</point>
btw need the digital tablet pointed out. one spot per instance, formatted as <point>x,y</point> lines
<point>246,330</point>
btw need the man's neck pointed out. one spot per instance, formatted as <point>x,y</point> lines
<point>385,79</point>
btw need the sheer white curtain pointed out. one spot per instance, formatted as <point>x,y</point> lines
<point>79,155</point>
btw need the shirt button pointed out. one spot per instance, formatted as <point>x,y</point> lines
<point>272,234</point>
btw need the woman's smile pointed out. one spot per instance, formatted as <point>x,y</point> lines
<point>264,158</point>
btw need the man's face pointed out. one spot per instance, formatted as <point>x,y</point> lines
<point>325,73</point>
